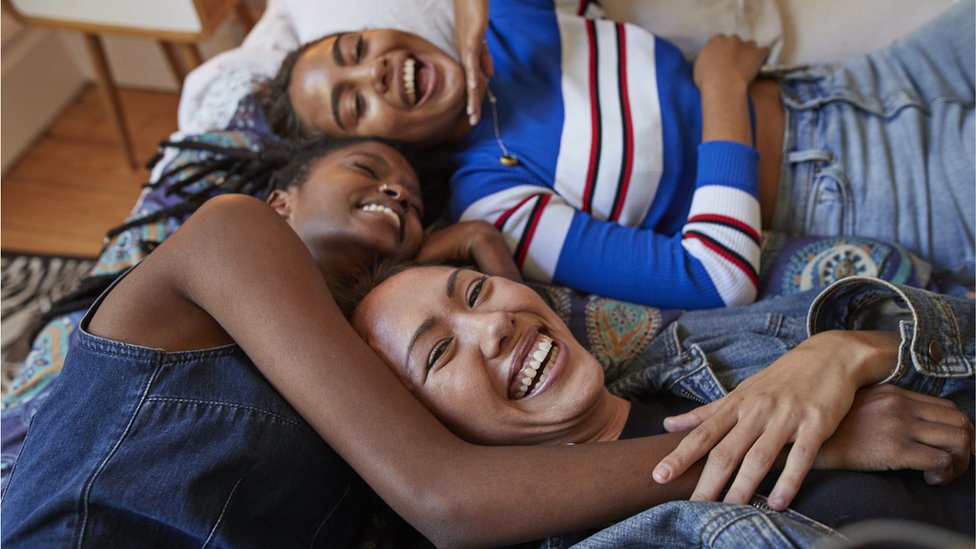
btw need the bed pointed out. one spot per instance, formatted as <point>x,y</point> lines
<point>216,107</point>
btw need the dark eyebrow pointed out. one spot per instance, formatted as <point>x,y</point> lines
<point>451,281</point>
<point>336,52</point>
<point>424,327</point>
<point>337,90</point>
<point>372,156</point>
<point>428,323</point>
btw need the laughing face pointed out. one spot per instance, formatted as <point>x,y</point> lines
<point>381,82</point>
<point>357,203</point>
<point>486,356</point>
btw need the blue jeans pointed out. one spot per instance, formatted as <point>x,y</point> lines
<point>140,448</point>
<point>882,146</point>
<point>711,524</point>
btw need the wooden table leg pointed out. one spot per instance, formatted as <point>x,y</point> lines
<point>173,58</point>
<point>245,16</point>
<point>192,58</point>
<point>110,95</point>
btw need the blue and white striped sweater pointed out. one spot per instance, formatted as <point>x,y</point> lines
<point>614,195</point>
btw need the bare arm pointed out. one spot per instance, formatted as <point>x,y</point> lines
<point>237,260</point>
<point>723,72</point>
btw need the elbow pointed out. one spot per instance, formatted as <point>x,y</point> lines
<point>744,293</point>
<point>449,521</point>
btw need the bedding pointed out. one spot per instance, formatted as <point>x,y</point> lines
<point>218,106</point>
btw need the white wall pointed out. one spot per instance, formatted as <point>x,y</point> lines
<point>37,79</point>
<point>42,70</point>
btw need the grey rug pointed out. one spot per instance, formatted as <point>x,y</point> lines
<point>31,283</point>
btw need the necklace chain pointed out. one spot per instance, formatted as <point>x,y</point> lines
<point>507,159</point>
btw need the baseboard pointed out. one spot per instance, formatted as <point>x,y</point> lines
<point>38,79</point>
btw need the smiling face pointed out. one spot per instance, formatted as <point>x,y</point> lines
<point>357,203</point>
<point>486,356</point>
<point>382,82</point>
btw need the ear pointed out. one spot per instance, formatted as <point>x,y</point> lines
<point>280,200</point>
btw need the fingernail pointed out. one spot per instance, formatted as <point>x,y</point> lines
<point>472,120</point>
<point>776,502</point>
<point>661,474</point>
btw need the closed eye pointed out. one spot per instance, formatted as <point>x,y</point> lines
<point>436,353</point>
<point>360,105</point>
<point>360,49</point>
<point>475,292</point>
<point>366,168</point>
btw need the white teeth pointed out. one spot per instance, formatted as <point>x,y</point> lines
<point>409,78</point>
<point>531,370</point>
<point>384,210</point>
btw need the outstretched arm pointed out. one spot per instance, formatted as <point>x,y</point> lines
<point>238,261</point>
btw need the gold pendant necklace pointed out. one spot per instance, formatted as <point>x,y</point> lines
<point>506,158</point>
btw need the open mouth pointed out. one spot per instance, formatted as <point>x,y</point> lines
<point>417,80</point>
<point>386,211</point>
<point>535,370</point>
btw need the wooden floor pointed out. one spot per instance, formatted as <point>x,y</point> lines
<point>74,183</point>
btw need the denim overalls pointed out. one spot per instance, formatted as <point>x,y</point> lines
<point>136,447</point>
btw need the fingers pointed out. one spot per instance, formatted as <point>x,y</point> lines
<point>689,420</point>
<point>693,447</point>
<point>478,67</point>
<point>497,261</point>
<point>943,451</point>
<point>798,464</point>
<point>756,464</point>
<point>727,456</point>
<point>472,70</point>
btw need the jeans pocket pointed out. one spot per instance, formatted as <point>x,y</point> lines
<point>830,210</point>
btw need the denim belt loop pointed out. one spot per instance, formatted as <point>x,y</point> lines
<point>809,155</point>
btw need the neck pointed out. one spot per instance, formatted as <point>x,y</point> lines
<point>616,411</point>
<point>605,421</point>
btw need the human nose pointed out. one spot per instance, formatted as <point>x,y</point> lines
<point>374,75</point>
<point>397,192</point>
<point>492,331</point>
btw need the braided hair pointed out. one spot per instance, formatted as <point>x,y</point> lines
<point>202,170</point>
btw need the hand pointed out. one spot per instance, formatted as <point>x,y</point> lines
<point>476,242</point>
<point>728,60</point>
<point>799,399</point>
<point>470,23</point>
<point>891,428</point>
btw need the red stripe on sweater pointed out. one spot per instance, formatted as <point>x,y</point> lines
<point>728,255</point>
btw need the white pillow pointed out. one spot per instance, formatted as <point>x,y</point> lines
<point>687,23</point>
<point>432,19</point>
<point>690,23</point>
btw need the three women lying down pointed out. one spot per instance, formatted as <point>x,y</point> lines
<point>608,161</point>
<point>255,418</point>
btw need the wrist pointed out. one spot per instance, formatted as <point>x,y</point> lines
<point>866,357</point>
<point>725,113</point>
